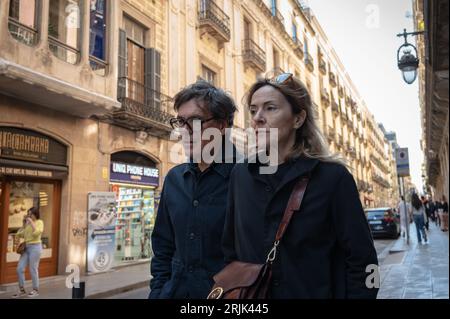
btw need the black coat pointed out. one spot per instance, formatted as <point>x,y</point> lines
<point>186,239</point>
<point>328,244</point>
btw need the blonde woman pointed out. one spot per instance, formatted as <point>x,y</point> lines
<point>327,246</point>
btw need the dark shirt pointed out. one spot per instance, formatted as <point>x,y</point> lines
<point>188,230</point>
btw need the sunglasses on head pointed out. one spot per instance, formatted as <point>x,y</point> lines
<point>283,78</point>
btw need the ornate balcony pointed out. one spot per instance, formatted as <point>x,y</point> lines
<point>341,92</point>
<point>309,62</point>
<point>325,97</point>
<point>276,14</point>
<point>298,48</point>
<point>331,133</point>
<point>335,108</point>
<point>143,109</point>
<point>214,21</point>
<point>333,80</point>
<point>322,66</point>
<point>253,56</point>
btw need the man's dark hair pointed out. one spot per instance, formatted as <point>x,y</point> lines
<point>415,201</point>
<point>402,197</point>
<point>217,101</point>
<point>35,211</point>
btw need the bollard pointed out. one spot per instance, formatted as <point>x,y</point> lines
<point>78,293</point>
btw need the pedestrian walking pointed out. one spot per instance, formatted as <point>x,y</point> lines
<point>30,251</point>
<point>432,209</point>
<point>427,211</point>
<point>438,209</point>
<point>186,239</point>
<point>444,214</point>
<point>323,250</point>
<point>419,215</point>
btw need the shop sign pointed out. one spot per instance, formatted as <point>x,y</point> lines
<point>101,231</point>
<point>134,174</point>
<point>21,144</point>
<point>25,172</point>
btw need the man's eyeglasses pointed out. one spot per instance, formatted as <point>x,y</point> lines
<point>283,78</point>
<point>179,122</point>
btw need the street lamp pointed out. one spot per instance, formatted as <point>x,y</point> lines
<point>409,62</point>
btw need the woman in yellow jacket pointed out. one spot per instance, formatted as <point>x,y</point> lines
<point>31,232</point>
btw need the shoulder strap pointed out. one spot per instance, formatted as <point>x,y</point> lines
<point>295,200</point>
<point>294,203</point>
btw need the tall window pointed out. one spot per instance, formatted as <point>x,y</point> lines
<point>247,30</point>
<point>64,28</point>
<point>276,59</point>
<point>294,31</point>
<point>209,75</point>
<point>22,22</point>
<point>274,7</point>
<point>306,45</point>
<point>135,59</point>
<point>97,40</point>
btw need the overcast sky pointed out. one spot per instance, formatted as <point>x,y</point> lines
<point>367,47</point>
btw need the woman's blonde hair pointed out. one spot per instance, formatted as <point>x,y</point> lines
<point>309,140</point>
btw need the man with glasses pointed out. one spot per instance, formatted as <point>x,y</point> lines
<point>186,239</point>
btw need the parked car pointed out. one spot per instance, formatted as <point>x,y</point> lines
<point>383,222</point>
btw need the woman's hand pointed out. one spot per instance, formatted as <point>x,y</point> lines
<point>31,222</point>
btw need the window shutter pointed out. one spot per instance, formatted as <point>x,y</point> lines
<point>153,78</point>
<point>122,81</point>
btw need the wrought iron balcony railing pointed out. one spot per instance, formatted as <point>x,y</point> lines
<point>142,107</point>
<point>341,92</point>
<point>253,55</point>
<point>298,48</point>
<point>277,14</point>
<point>335,108</point>
<point>325,97</point>
<point>214,20</point>
<point>322,66</point>
<point>333,80</point>
<point>309,62</point>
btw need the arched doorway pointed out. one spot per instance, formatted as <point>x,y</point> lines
<point>134,178</point>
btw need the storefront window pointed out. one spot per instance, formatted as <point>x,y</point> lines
<point>134,222</point>
<point>23,196</point>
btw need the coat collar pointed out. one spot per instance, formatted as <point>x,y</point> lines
<point>302,166</point>
<point>223,168</point>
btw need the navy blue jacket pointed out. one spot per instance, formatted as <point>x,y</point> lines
<point>186,239</point>
<point>327,246</point>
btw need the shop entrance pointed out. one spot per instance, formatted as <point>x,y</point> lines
<point>17,195</point>
<point>134,179</point>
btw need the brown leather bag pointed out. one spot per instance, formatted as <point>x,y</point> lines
<point>240,280</point>
<point>21,248</point>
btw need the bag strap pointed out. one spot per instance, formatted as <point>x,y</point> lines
<point>294,203</point>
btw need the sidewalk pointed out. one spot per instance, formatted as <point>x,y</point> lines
<point>97,286</point>
<point>416,271</point>
<point>407,272</point>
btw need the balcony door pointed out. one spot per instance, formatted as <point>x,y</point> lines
<point>135,60</point>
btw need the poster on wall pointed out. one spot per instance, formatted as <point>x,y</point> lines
<point>101,231</point>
